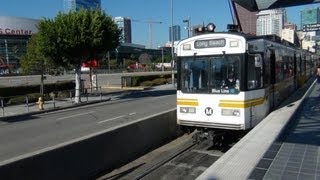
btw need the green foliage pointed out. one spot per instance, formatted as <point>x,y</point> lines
<point>17,95</point>
<point>34,62</point>
<point>159,81</point>
<point>154,82</point>
<point>63,94</point>
<point>71,38</point>
<point>113,64</point>
<point>24,90</point>
<point>22,99</point>
<point>150,80</point>
<point>145,58</point>
<point>78,36</point>
<point>146,83</point>
<point>127,62</point>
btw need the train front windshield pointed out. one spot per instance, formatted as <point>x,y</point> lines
<point>210,74</point>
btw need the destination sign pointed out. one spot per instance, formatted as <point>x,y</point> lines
<point>209,43</point>
<point>311,27</point>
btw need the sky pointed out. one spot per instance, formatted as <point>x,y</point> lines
<point>199,12</point>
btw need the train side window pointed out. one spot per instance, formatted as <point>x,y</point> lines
<point>254,71</point>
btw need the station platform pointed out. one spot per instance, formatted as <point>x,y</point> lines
<point>285,145</point>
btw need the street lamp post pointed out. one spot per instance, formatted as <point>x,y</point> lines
<point>172,45</point>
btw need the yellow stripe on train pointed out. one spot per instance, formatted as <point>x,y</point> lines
<point>241,104</point>
<point>187,102</point>
<point>224,103</point>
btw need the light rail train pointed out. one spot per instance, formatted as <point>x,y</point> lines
<point>231,81</point>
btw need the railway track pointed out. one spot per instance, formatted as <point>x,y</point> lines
<point>180,159</point>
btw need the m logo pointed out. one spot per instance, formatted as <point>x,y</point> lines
<point>208,111</point>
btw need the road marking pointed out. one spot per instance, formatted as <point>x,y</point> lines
<point>111,119</point>
<point>118,117</point>
<point>75,115</point>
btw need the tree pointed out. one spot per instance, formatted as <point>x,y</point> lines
<point>34,62</point>
<point>72,38</point>
<point>33,59</point>
<point>145,58</point>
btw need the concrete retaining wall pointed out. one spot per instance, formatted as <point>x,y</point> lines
<point>106,150</point>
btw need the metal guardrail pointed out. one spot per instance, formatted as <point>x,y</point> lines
<point>52,101</point>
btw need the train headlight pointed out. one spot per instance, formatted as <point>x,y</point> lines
<point>187,110</point>
<point>230,112</point>
<point>234,43</point>
<point>187,47</point>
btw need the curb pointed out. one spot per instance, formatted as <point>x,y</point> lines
<point>125,88</point>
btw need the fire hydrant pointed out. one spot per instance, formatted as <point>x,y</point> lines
<point>40,103</point>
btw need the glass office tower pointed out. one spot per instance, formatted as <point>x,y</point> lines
<point>75,5</point>
<point>310,16</point>
<point>124,25</point>
<point>176,33</point>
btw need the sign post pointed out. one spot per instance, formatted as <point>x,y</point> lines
<point>311,27</point>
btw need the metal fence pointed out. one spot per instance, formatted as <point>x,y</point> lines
<point>53,100</point>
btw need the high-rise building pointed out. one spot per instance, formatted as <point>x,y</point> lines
<point>75,5</point>
<point>309,16</point>
<point>124,25</point>
<point>248,19</point>
<point>288,33</point>
<point>176,33</point>
<point>270,21</point>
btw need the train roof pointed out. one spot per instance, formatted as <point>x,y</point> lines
<point>251,38</point>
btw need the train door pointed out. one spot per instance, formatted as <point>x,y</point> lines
<point>254,84</point>
<point>272,60</point>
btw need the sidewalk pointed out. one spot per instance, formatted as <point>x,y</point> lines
<point>12,111</point>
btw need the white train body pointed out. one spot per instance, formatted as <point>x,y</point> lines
<point>232,81</point>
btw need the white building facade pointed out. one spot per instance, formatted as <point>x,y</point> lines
<point>124,25</point>
<point>270,22</point>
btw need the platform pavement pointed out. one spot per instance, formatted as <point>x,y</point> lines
<point>295,155</point>
<point>285,145</point>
